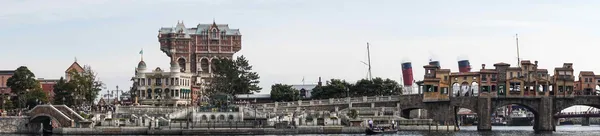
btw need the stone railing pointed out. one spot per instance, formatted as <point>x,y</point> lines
<point>148,109</point>
<point>181,113</point>
<point>252,112</point>
<point>330,101</point>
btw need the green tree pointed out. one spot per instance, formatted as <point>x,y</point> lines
<point>8,105</point>
<point>375,87</point>
<point>86,86</point>
<point>63,92</point>
<point>35,97</point>
<point>234,77</point>
<point>282,92</point>
<point>335,88</point>
<point>133,90</point>
<point>21,82</point>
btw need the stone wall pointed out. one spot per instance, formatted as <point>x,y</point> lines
<point>15,124</point>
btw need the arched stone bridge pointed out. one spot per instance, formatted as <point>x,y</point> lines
<point>61,115</point>
<point>444,111</point>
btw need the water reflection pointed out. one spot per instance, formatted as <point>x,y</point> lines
<point>565,130</point>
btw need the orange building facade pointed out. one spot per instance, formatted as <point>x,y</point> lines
<point>504,81</point>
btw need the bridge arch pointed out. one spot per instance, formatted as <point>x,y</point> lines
<point>531,106</point>
<point>528,106</point>
<point>47,120</point>
<point>561,104</point>
<point>56,116</point>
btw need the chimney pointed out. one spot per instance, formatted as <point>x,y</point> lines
<point>320,83</point>
<point>482,66</point>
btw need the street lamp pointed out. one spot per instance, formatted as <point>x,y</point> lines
<point>117,94</point>
<point>347,92</point>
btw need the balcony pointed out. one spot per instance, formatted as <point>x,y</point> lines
<point>567,78</point>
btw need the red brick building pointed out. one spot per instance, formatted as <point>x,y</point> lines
<point>196,48</point>
<point>4,75</point>
<point>48,84</point>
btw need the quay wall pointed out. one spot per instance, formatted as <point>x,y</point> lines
<point>233,131</point>
<point>18,125</point>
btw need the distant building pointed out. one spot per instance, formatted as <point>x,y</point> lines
<point>74,67</point>
<point>4,75</point>
<point>47,86</point>
<point>305,90</point>
<point>254,98</point>
<point>196,48</point>
<point>166,88</point>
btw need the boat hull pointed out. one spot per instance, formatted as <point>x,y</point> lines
<point>521,121</point>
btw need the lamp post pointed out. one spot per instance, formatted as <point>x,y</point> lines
<point>254,106</point>
<point>347,92</point>
<point>117,98</point>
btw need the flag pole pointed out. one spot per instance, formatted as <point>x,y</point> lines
<point>518,55</point>
<point>142,54</point>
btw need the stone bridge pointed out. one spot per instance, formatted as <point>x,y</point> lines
<point>445,111</point>
<point>61,115</point>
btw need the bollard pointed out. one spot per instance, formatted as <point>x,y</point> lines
<point>447,126</point>
<point>429,127</point>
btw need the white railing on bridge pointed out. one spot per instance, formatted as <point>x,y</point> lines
<point>330,101</point>
<point>148,109</point>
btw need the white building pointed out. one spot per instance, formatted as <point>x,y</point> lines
<point>162,88</point>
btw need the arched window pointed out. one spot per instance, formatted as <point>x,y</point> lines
<point>149,94</point>
<point>168,93</point>
<point>215,34</point>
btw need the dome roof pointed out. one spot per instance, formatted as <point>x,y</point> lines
<point>142,64</point>
<point>174,64</point>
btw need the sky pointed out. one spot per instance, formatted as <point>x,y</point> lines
<point>288,40</point>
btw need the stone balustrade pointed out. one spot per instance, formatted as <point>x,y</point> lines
<point>330,101</point>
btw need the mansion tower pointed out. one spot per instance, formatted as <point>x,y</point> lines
<point>194,49</point>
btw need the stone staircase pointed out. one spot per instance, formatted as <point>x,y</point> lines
<point>182,113</point>
<point>250,113</point>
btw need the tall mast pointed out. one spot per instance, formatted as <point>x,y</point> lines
<point>518,56</point>
<point>369,59</point>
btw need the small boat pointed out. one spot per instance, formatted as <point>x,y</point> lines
<point>370,131</point>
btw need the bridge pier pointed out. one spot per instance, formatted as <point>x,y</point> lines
<point>585,121</point>
<point>441,113</point>
<point>485,114</point>
<point>544,119</point>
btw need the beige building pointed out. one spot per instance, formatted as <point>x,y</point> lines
<point>163,88</point>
